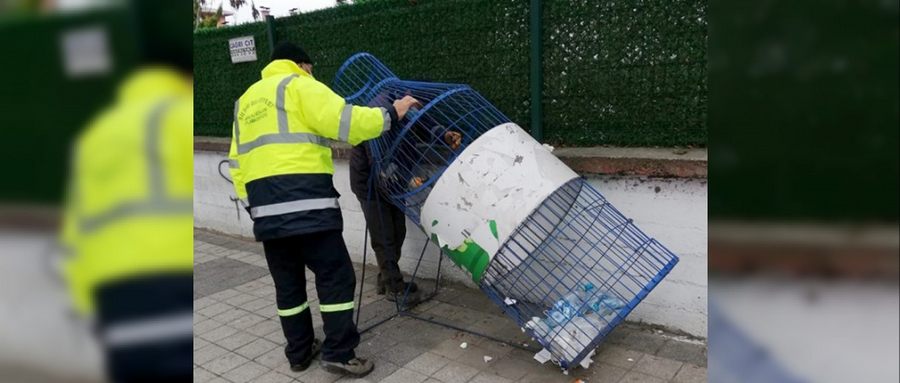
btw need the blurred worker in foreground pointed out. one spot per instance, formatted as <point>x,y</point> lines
<point>280,161</point>
<point>128,228</point>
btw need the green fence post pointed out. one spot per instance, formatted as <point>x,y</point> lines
<point>536,78</point>
<point>270,31</point>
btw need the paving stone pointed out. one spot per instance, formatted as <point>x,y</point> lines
<point>256,348</point>
<point>273,377</point>
<point>349,379</point>
<point>404,375</point>
<point>247,372</point>
<point>223,295</point>
<point>637,377</point>
<point>200,343</point>
<point>684,352</point>
<point>229,316</point>
<point>264,328</point>
<point>644,341</point>
<point>246,321</point>
<point>605,373</point>
<point>214,309</point>
<point>400,353</point>
<point>278,337</point>
<point>221,274</point>
<point>263,306</point>
<point>220,333</point>
<point>658,367</point>
<point>236,340</point>
<point>382,370</point>
<point>240,299</point>
<point>202,376</point>
<point>316,374</point>
<point>618,356</point>
<point>273,358</point>
<point>448,349</point>
<point>205,326</point>
<point>484,377</point>
<point>473,356</point>
<point>225,363</point>
<point>202,303</point>
<point>545,377</point>
<point>455,372</point>
<point>512,368</point>
<point>428,363</point>
<point>690,374</point>
<point>208,353</point>
<point>492,348</point>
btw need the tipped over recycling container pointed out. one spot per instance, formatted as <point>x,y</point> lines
<point>540,241</point>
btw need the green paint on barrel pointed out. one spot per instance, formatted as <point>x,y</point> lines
<point>469,256</point>
<point>493,225</point>
<point>434,223</point>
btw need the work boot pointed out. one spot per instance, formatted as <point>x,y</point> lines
<point>382,286</point>
<point>302,366</point>
<point>412,299</point>
<point>355,367</point>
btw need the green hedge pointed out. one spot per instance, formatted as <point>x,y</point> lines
<point>629,74</point>
<point>43,107</point>
<point>218,82</point>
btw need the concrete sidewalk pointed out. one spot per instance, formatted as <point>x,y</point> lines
<point>237,336</point>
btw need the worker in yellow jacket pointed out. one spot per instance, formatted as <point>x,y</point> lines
<point>280,161</point>
<point>128,226</point>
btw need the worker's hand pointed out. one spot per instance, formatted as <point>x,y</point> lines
<point>402,105</point>
<point>454,139</point>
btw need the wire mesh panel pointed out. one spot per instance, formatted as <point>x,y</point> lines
<point>409,159</point>
<point>540,241</point>
<point>575,268</point>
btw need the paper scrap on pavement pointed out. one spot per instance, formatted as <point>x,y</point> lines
<point>586,362</point>
<point>487,358</point>
<point>509,301</point>
<point>463,345</point>
<point>542,356</point>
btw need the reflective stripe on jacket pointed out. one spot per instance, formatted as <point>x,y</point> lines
<point>129,204</point>
<point>280,156</point>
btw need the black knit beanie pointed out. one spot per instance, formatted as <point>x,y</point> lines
<point>289,51</point>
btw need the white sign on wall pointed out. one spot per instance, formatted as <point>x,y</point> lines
<point>85,52</point>
<point>243,49</point>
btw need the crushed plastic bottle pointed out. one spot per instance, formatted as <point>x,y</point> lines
<point>606,304</point>
<point>575,320</point>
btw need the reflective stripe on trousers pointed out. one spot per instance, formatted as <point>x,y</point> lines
<point>293,311</point>
<point>294,206</point>
<point>336,307</point>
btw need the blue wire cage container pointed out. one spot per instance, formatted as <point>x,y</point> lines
<point>571,271</point>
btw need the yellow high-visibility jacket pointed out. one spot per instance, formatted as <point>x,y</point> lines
<point>129,206</point>
<point>280,156</point>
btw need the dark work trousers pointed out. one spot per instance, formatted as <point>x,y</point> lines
<point>145,327</point>
<point>387,230</point>
<point>326,255</point>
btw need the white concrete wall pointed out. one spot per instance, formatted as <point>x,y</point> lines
<point>673,211</point>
